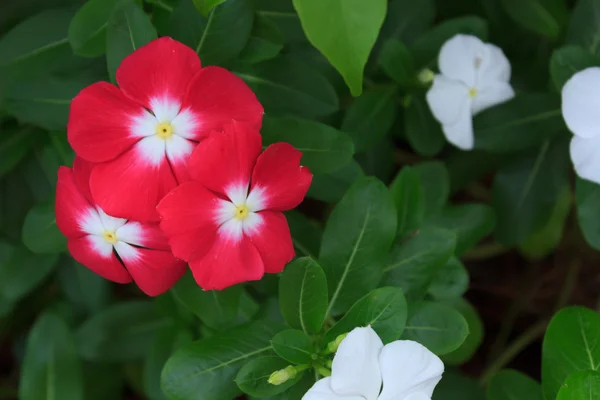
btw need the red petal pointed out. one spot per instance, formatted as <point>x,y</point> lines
<point>226,159</point>
<point>217,96</point>
<point>70,204</point>
<point>227,263</point>
<point>107,267</point>
<point>162,69</point>
<point>99,122</point>
<point>278,174</point>
<point>154,271</point>
<point>188,218</point>
<point>81,173</point>
<point>273,241</point>
<point>130,186</point>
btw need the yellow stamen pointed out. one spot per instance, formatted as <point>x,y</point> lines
<point>241,212</point>
<point>110,237</point>
<point>472,92</point>
<point>164,130</point>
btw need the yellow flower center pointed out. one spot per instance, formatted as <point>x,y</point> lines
<point>164,130</point>
<point>110,237</point>
<point>472,92</point>
<point>241,212</point>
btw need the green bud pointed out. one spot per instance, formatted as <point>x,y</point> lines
<point>282,375</point>
<point>333,345</point>
<point>323,371</point>
<point>426,76</point>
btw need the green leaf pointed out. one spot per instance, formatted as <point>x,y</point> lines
<point>282,14</point>
<point>347,38</point>
<point>470,223</point>
<point>294,346</point>
<point>253,377</point>
<point>583,385</point>
<point>123,332</point>
<point>303,295</point>
<point>526,190</point>
<point>265,41</point>
<point>538,16</point>
<point>451,281</point>
<point>15,145</point>
<point>87,30</point>
<point>407,196</point>
<point>213,36</point>
<point>51,368</point>
<point>357,237</point>
<point>435,185</point>
<point>397,62</point>
<point>205,6</point>
<point>425,50</point>
<point>414,264</point>
<point>521,123</point>
<point>22,271</point>
<point>587,196</point>
<point>568,60</point>
<point>570,345</point>
<point>286,86</point>
<point>384,309</point>
<point>128,29</point>
<point>331,187</point>
<point>324,149</point>
<point>423,132</point>
<point>509,384</point>
<point>406,20</point>
<point>306,234</point>
<point>466,167</point>
<point>584,27</point>
<point>87,291</point>
<point>370,117</point>
<point>217,309</point>
<point>206,368</point>
<point>436,326</point>
<point>474,338</point>
<point>40,233</point>
<point>456,386</point>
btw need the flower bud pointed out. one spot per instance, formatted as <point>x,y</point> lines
<point>282,375</point>
<point>333,345</point>
<point>426,76</point>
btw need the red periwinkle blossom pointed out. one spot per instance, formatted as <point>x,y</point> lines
<point>142,133</point>
<point>116,249</point>
<point>227,222</point>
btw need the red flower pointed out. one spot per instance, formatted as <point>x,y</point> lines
<point>114,248</point>
<point>228,222</point>
<point>143,132</point>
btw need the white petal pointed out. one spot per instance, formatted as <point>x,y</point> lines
<point>355,369</point>
<point>446,99</point>
<point>585,154</point>
<point>417,396</point>
<point>224,211</point>
<point>492,94</point>
<point>408,367</point>
<point>164,109</point>
<point>126,252</point>
<point>581,102</point>
<point>151,149</point>
<point>252,223</point>
<point>237,193</point>
<point>321,390</point>
<point>460,58</point>
<point>185,124</point>
<point>460,133</point>
<point>110,223</point>
<point>494,67</point>
<point>232,229</point>
<point>101,246</point>
<point>90,222</point>
<point>178,148</point>
<point>131,232</point>
<point>143,125</point>
<point>256,199</point>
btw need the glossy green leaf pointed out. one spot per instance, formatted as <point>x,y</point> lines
<point>206,368</point>
<point>587,197</point>
<point>40,233</point>
<point>458,386</point>
<point>87,30</point>
<point>86,290</point>
<point>122,332</point>
<point>384,309</point>
<point>407,196</point>
<point>306,234</point>
<point>584,26</point>
<point>436,326</point>
<point>423,132</point>
<point>397,62</point>
<point>347,39</point>
<point>282,14</point>
<point>128,29</point>
<point>413,265</point>
<point>407,20</point>
<point>324,149</point>
<point>217,38</point>
<point>582,385</point>
<point>303,295</point>
<point>474,338</point>
<point>205,6</point>
<point>294,346</point>
<point>450,282</point>
<point>15,145</point>
<point>568,60</point>
<point>51,368</point>
<point>509,384</point>
<point>287,86</point>
<point>265,41</point>
<point>370,118</point>
<point>253,377</point>
<point>435,185</point>
<point>332,186</point>
<point>571,344</point>
<point>378,161</point>
<point>357,237</point>
<point>540,16</point>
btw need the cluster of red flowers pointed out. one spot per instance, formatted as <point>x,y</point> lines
<point>169,170</point>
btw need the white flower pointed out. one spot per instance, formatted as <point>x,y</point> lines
<point>474,76</point>
<point>580,108</point>
<point>407,369</point>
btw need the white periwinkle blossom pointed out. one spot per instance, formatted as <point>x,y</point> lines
<point>580,106</point>
<point>407,370</point>
<point>474,76</point>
